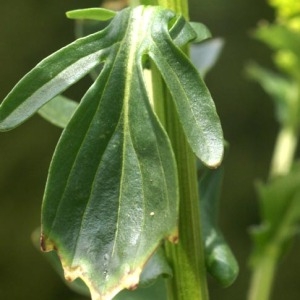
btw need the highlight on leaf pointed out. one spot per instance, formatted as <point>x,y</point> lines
<point>219,259</point>
<point>96,13</point>
<point>112,191</point>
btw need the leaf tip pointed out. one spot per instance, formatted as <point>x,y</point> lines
<point>98,14</point>
<point>215,157</point>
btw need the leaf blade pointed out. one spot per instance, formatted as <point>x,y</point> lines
<point>50,77</point>
<point>127,194</point>
<point>192,99</point>
<point>96,13</point>
<point>58,111</point>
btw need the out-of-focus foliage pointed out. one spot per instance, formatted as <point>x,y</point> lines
<point>280,212</point>
<point>279,199</point>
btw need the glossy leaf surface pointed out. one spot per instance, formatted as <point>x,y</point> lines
<point>198,118</point>
<point>117,184</point>
<point>50,77</point>
<point>111,195</point>
<point>219,259</point>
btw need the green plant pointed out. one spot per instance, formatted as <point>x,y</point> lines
<point>279,197</point>
<point>125,158</point>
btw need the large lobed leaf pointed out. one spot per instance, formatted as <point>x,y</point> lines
<point>115,189</point>
<point>111,195</point>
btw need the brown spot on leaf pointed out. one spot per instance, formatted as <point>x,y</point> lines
<point>133,287</point>
<point>69,278</point>
<point>174,239</point>
<point>43,243</point>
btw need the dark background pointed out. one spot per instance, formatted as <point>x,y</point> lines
<point>31,30</point>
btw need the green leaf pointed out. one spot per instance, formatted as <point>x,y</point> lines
<point>199,119</point>
<point>156,291</point>
<point>286,42</point>
<point>58,111</point>
<point>279,37</point>
<point>201,30</point>
<point>150,284</point>
<point>50,77</point>
<point>96,13</point>
<point>155,267</point>
<point>280,214</point>
<point>219,259</point>
<point>205,55</point>
<point>284,92</point>
<point>111,195</point>
<point>77,285</point>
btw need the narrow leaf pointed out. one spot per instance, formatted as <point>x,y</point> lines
<point>51,77</point>
<point>205,55</point>
<point>201,30</point>
<point>219,259</point>
<point>58,111</point>
<point>97,13</point>
<point>193,101</point>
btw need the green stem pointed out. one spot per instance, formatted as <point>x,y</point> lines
<point>187,256</point>
<point>263,275</point>
<point>284,151</point>
<point>264,269</point>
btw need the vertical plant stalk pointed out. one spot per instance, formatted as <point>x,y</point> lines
<point>187,256</point>
<point>284,151</point>
<point>263,276</point>
<point>264,270</point>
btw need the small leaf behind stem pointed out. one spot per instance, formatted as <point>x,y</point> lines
<point>219,259</point>
<point>58,111</point>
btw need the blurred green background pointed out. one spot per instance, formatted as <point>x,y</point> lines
<point>31,30</point>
